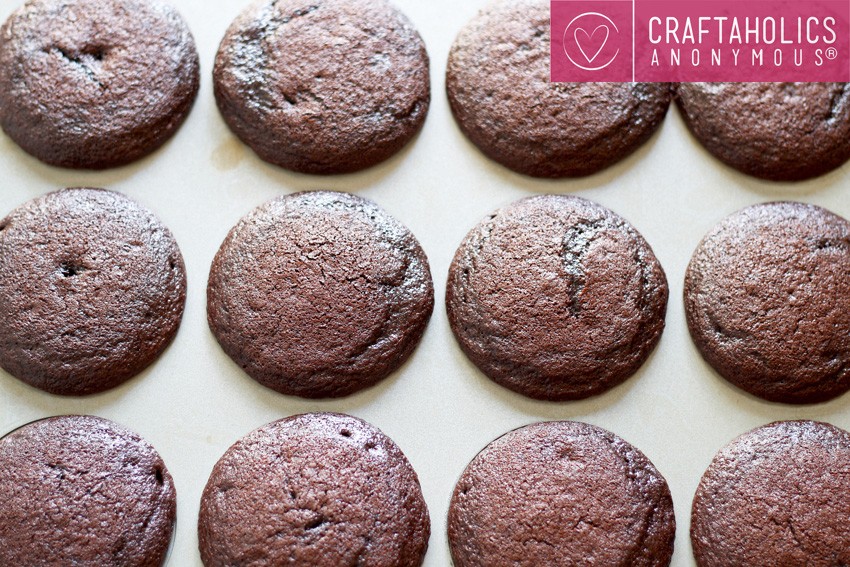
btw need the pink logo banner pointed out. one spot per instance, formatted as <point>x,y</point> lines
<point>700,40</point>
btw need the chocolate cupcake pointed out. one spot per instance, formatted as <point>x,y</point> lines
<point>501,95</point>
<point>95,83</point>
<point>778,495</point>
<point>556,298</point>
<point>83,491</point>
<point>776,131</point>
<point>319,294</point>
<point>561,493</point>
<point>316,489</point>
<point>92,290</point>
<point>328,86</point>
<point>767,299</point>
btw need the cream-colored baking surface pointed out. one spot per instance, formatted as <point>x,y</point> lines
<point>194,402</point>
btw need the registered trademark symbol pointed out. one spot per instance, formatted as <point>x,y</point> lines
<point>831,53</point>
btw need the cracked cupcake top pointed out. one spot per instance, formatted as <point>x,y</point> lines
<point>82,490</point>
<point>319,294</point>
<point>315,489</point>
<point>323,86</point>
<point>556,297</point>
<point>561,494</point>
<point>767,299</point>
<point>95,83</point>
<point>777,495</point>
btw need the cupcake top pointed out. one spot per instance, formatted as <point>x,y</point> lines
<point>326,86</point>
<point>92,290</point>
<point>767,299</point>
<point>776,131</point>
<point>561,493</point>
<point>499,87</point>
<point>82,490</point>
<point>319,294</point>
<point>315,489</point>
<point>95,83</point>
<point>556,297</point>
<point>777,495</point>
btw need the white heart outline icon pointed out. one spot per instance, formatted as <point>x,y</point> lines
<point>589,38</point>
<point>567,40</point>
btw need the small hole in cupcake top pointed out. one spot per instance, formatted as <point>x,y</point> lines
<point>160,480</point>
<point>315,523</point>
<point>93,52</point>
<point>345,433</point>
<point>69,270</point>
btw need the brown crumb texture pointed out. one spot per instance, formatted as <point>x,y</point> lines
<point>777,495</point>
<point>767,299</point>
<point>83,491</point>
<point>323,86</point>
<point>502,97</point>
<point>314,489</point>
<point>561,494</point>
<point>319,294</point>
<point>556,297</point>
<point>95,83</point>
<point>92,290</point>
